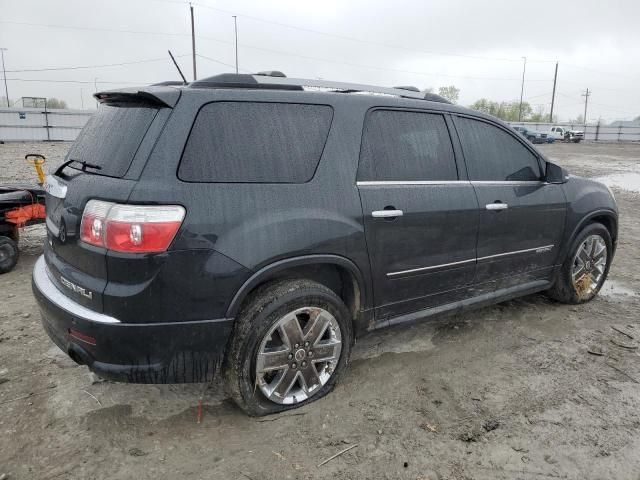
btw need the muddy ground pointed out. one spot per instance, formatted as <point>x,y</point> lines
<point>506,392</point>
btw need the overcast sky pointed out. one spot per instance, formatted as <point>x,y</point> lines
<point>476,46</point>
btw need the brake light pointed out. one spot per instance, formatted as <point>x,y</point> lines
<point>130,228</point>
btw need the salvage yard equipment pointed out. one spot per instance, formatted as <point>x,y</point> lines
<point>20,206</point>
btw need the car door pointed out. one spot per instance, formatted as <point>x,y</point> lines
<point>421,217</point>
<point>522,217</point>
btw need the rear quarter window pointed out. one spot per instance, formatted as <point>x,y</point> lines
<point>251,142</point>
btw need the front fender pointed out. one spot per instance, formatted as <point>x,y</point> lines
<point>588,200</point>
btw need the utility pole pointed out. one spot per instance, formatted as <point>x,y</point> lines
<point>95,86</point>
<point>4,75</point>
<point>553,95</point>
<point>235,26</point>
<point>586,101</point>
<point>82,98</point>
<point>524,69</point>
<point>193,43</point>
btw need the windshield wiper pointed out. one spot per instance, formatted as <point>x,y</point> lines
<point>84,167</point>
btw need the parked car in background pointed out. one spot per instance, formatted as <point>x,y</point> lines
<point>567,135</point>
<point>256,225</point>
<point>532,136</point>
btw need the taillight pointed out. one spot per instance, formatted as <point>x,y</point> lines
<point>130,228</point>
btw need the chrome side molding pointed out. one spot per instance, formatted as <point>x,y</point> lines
<point>542,249</point>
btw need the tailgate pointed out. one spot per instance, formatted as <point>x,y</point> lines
<point>102,164</point>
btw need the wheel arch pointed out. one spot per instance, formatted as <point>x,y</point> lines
<point>607,217</point>
<point>334,271</point>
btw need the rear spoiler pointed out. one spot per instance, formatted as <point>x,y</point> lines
<point>152,96</point>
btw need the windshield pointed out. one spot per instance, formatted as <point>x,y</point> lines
<point>111,138</point>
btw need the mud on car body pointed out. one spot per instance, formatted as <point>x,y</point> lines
<point>254,225</point>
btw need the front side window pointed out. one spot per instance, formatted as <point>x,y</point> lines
<point>492,154</point>
<point>252,142</point>
<point>406,146</point>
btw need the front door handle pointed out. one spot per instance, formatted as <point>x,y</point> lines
<point>496,206</point>
<point>387,213</point>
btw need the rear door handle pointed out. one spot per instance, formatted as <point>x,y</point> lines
<point>386,213</point>
<point>496,206</point>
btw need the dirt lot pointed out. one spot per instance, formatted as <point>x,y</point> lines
<point>507,392</point>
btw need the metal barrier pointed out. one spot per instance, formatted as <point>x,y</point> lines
<point>37,124</point>
<point>596,133</point>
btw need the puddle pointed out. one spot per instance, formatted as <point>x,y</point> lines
<point>624,181</point>
<point>613,288</point>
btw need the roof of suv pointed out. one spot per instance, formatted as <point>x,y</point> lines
<point>272,80</point>
<point>167,93</point>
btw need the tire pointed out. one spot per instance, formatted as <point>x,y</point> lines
<point>287,303</point>
<point>8,254</point>
<point>565,290</point>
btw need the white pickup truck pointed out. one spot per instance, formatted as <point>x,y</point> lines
<point>567,135</point>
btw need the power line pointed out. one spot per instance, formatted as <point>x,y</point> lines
<point>51,69</point>
<point>43,80</point>
<point>354,39</point>
<point>221,63</point>
<point>92,29</point>
<point>308,57</point>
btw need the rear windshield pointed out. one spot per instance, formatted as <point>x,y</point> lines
<point>251,142</point>
<point>111,138</point>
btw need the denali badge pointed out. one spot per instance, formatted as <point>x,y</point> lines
<point>72,286</point>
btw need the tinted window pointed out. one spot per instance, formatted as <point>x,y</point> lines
<point>111,138</point>
<point>406,146</point>
<point>493,154</point>
<point>255,142</point>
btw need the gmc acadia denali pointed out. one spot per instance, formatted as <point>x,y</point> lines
<point>255,225</point>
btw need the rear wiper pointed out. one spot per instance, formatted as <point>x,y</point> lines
<point>84,164</point>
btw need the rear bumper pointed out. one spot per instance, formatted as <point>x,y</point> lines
<point>172,352</point>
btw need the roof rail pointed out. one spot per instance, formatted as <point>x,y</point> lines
<point>434,97</point>
<point>408,87</point>
<point>273,81</point>
<point>272,73</point>
<point>168,83</point>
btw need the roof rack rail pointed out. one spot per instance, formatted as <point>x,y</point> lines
<point>272,81</point>
<point>168,83</point>
<point>272,73</point>
<point>434,97</point>
<point>410,88</point>
<point>244,80</point>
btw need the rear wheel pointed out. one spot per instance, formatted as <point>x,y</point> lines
<point>8,254</point>
<point>586,267</point>
<point>289,346</point>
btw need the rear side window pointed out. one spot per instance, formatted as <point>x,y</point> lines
<point>492,154</point>
<point>255,142</point>
<point>406,146</point>
<point>111,138</point>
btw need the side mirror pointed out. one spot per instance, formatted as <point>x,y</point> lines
<point>555,174</point>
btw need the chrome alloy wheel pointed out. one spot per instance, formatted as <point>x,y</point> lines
<point>589,265</point>
<point>298,355</point>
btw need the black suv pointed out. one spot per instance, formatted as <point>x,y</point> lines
<point>256,225</point>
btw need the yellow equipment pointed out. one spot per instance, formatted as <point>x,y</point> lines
<point>37,161</point>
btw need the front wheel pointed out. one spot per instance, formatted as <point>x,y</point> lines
<point>289,346</point>
<point>8,254</point>
<point>586,267</point>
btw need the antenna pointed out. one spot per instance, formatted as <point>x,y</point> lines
<point>176,64</point>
